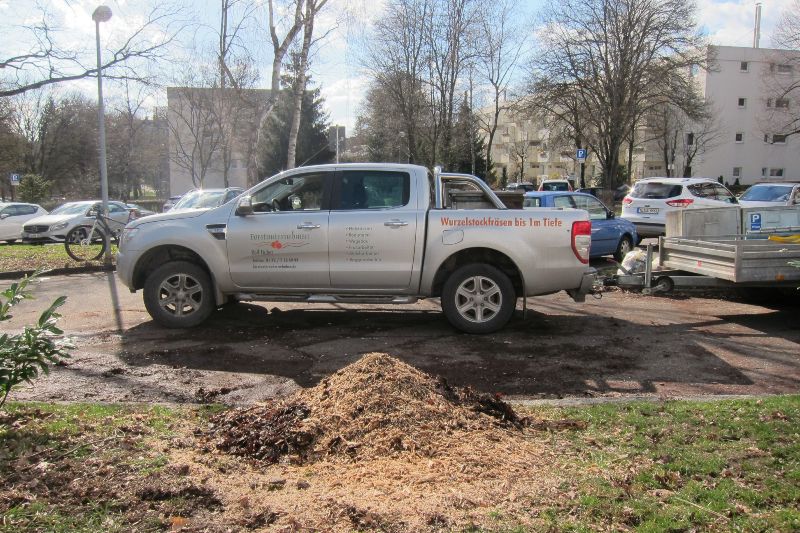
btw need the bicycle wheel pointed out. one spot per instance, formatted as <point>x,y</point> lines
<point>83,246</point>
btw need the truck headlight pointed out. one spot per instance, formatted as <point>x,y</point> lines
<point>127,235</point>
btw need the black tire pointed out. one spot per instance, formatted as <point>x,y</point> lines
<point>81,246</point>
<point>478,298</point>
<point>624,246</point>
<point>179,295</point>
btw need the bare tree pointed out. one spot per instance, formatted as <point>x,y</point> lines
<point>49,61</point>
<point>781,79</point>
<point>619,58</point>
<point>313,7</point>
<point>499,52</point>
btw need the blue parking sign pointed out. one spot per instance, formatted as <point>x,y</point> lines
<point>15,179</point>
<point>581,154</point>
<point>755,221</point>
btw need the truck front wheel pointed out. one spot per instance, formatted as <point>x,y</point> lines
<point>179,295</point>
<point>478,298</point>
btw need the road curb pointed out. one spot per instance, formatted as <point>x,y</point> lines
<point>18,274</point>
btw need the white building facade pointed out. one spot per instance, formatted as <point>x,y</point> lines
<point>746,87</point>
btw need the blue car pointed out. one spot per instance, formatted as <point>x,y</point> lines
<point>610,235</point>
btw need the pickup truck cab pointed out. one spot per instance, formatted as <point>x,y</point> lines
<point>358,233</point>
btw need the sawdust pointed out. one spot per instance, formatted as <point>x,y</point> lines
<point>378,445</point>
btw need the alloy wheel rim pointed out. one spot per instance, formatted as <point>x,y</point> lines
<point>478,299</point>
<point>180,295</point>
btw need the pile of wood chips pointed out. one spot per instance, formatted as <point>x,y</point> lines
<point>376,407</point>
<point>381,445</point>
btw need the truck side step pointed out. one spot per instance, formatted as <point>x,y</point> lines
<point>329,298</point>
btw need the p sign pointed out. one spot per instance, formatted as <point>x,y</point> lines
<point>755,221</point>
<point>581,155</point>
<point>15,179</point>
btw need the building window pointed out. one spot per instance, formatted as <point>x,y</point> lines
<point>742,103</point>
<point>763,172</point>
<point>737,172</point>
<point>782,103</point>
<point>739,137</point>
<point>776,173</point>
<point>778,139</point>
<point>781,69</point>
<point>744,66</point>
<point>690,139</point>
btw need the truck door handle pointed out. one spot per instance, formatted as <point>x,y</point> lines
<point>308,225</point>
<point>395,223</point>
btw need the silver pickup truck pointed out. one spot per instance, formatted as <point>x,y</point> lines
<point>358,233</point>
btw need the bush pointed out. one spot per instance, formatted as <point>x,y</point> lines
<point>24,355</point>
<point>33,188</point>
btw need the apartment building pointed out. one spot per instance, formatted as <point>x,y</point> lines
<point>747,87</point>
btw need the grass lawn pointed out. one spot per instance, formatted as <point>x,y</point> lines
<point>674,466</point>
<point>15,257</point>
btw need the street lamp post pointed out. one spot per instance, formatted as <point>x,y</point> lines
<point>102,14</point>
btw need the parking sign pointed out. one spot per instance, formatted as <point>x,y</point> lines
<point>755,221</point>
<point>581,155</point>
<point>14,179</point>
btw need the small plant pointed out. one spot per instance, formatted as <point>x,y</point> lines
<point>24,355</point>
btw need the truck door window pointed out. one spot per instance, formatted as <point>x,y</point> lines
<point>371,189</point>
<point>297,193</point>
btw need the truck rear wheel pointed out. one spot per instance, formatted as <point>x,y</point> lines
<point>478,298</point>
<point>179,295</point>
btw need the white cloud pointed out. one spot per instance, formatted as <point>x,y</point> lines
<point>731,23</point>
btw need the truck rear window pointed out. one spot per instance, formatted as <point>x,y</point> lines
<point>532,202</point>
<point>655,190</point>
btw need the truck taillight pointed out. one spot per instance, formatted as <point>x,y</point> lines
<point>683,202</point>
<point>627,200</point>
<point>582,240</point>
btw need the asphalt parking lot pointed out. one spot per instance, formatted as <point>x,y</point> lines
<point>621,345</point>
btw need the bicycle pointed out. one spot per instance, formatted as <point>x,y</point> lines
<point>88,243</point>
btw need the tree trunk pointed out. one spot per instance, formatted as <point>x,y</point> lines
<point>300,85</point>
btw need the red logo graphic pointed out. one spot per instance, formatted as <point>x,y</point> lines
<point>276,245</point>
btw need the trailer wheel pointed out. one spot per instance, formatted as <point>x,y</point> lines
<point>478,298</point>
<point>664,284</point>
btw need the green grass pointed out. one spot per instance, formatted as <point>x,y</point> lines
<point>18,257</point>
<point>675,466</point>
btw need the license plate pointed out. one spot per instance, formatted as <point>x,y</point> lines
<point>647,210</point>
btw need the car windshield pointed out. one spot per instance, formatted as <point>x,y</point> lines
<point>70,209</point>
<point>532,202</point>
<point>200,200</point>
<point>655,190</point>
<point>555,186</point>
<point>767,193</point>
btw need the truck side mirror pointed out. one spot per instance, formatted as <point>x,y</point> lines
<point>244,206</point>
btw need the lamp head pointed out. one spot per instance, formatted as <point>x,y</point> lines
<point>101,14</point>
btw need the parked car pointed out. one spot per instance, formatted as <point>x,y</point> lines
<point>140,211</point>
<point>206,198</point>
<point>55,226</point>
<point>771,194</point>
<point>171,201</point>
<point>520,186</point>
<point>650,199</point>
<point>13,215</point>
<point>610,235</point>
<point>555,185</point>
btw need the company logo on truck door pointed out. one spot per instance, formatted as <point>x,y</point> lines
<point>279,241</point>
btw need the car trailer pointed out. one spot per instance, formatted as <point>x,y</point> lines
<point>718,262</point>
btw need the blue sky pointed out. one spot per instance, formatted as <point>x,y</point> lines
<point>336,63</point>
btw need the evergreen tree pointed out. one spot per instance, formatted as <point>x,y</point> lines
<point>464,134</point>
<point>312,140</point>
